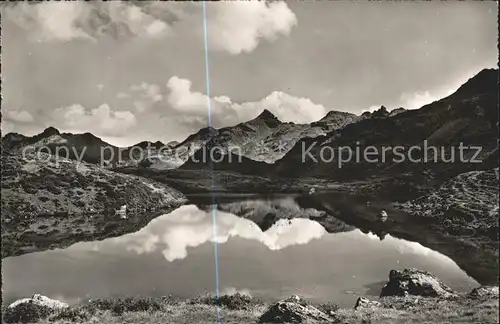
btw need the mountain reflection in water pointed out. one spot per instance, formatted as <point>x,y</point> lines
<point>174,255</point>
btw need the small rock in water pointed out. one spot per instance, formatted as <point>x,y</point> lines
<point>383,215</point>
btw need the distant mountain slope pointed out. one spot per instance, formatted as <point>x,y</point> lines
<point>265,213</point>
<point>83,147</point>
<point>469,116</point>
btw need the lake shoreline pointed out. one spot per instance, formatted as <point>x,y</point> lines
<point>479,305</point>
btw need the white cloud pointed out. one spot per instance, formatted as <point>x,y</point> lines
<point>290,108</point>
<point>140,106</point>
<point>100,86</point>
<point>137,22</point>
<point>237,27</point>
<point>188,226</point>
<point>371,109</point>
<point>417,99</point>
<point>148,91</point>
<point>50,21</point>
<point>122,95</point>
<point>234,27</point>
<point>286,107</point>
<point>101,120</point>
<point>19,116</point>
<point>182,98</point>
<point>64,21</point>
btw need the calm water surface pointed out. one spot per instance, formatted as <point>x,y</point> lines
<point>174,254</point>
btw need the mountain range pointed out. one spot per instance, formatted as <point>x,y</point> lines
<point>265,145</point>
<point>468,116</point>
<point>264,139</point>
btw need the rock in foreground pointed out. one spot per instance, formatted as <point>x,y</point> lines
<point>484,292</point>
<point>415,282</point>
<point>29,310</point>
<point>364,302</point>
<point>293,310</point>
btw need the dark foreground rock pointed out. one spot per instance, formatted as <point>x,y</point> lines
<point>364,302</point>
<point>484,292</point>
<point>31,310</point>
<point>415,282</point>
<point>293,310</point>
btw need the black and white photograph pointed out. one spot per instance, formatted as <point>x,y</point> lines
<point>249,162</point>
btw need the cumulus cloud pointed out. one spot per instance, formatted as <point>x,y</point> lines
<point>290,108</point>
<point>148,91</point>
<point>224,112</point>
<point>416,100</point>
<point>101,120</point>
<point>64,21</point>
<point>188,226</point>
<point>234,27</point>
<point>408,247</point>
<point>122,95</point>
<point>371,109</point>
<point>18,116</point>
<point>238,27</point>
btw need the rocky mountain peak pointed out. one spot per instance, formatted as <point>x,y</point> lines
<point>396,111</point>
<point>49,131</point>
<point>89,137</point>
<point>380,113</point>
<point>334,114</point>
<point>266,114</point>
<point>486,81</point>
<point>269,118</point>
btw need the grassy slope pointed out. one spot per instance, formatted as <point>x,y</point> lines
<point>46,204</point>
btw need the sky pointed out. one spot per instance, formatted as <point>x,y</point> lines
<point>133,71</point>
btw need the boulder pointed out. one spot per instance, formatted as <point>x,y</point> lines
<point>415,282</point>
<point>484,292</point>
<point>293,310</point>
<point>30,310</point>
<point>383,216</point>
<point>364,302</point>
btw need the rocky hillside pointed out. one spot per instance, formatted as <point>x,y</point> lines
<point>468,116</point>
<point>49,202</point>
<point>465,208</point>
<point>82,147</point>
<point>466,205</point>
